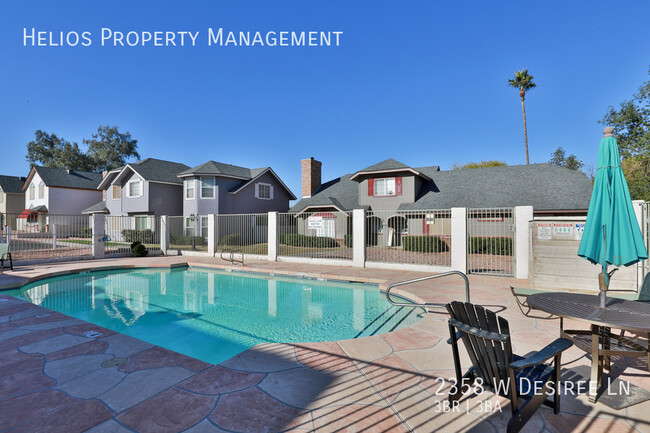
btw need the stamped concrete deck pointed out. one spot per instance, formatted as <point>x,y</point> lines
<point>60,374</point>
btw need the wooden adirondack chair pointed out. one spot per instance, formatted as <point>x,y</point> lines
<point>486,337</point>
<point>5,255</point>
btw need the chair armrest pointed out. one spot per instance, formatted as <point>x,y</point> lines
<point>558,346</point>
<point>457,338</point>
<point>477,331</point>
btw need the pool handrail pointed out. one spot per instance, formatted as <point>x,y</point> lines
<point>428,277</point>
<point>232,255</point>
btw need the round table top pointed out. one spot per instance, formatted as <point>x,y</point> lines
<point>618,313</point>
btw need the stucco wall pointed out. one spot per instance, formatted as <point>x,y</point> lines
<point>245,202</point>
<point>12,203</point>
<point>135,204</point>
<point>165,199</point>
<point>391,202</point>
<point>70,201</point>
<point>36,180</point>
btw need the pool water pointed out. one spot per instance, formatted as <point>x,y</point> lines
<point>213,315</point>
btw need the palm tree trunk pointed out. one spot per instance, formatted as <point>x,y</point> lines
<point>523,109</point>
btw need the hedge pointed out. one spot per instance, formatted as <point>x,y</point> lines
<point>424,244</point>
<point>85,232</point>
<point>145,236</point>
<point>297,240</point>
<point>185,240</point>
<point>138,249</point>
<point>231,239</point>
<point>495,246</point>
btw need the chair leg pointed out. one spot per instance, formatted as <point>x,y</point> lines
<point>525,412</point>
<point>557,375</point>
<point>11,262</point>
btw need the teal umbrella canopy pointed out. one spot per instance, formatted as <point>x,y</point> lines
<point>612,235</point>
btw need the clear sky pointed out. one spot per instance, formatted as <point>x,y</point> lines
<point>423,82</point>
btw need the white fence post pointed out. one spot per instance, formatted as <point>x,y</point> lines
<point>459,239</point>
<point>164,234</point>
<point>212,234</point>
<point>273,237</point>
<point>97,224</point>
<point>359,238</point>
<point>638,212</point>
<point>54,236</point>
<point>522,241</point>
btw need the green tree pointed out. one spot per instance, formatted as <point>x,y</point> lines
<point>482,164</point>
<point>110,148</point>
<point>524,83</point>
<point>560,159</point>
<point>49,150</point>
<point>631,123</point>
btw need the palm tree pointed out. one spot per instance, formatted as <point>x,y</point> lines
<point>523,82</point>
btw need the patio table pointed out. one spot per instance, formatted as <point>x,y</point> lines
<point>618,314</point>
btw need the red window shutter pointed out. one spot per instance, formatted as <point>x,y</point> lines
<point>371,187</point>
<point>398,186</point>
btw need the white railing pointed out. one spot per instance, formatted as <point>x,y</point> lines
<point>121,231</point>
<point>188,233</point>
<point>409,237</point>
<point>315,235</point>
<point>242,233</point>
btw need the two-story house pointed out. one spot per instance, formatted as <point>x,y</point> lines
<point>218,188</point>
<point>58,192</point>
<point>144,190</point>
<point>12,199</point>
<point>392,191</point>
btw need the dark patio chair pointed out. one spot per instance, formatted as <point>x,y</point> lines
<point>486,337</point>
<point>521,297</point>
<point>5,254</point>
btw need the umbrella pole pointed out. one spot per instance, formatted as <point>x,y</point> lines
<point>602,285</point>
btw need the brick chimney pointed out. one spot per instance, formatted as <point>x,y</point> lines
<point>311,171</point>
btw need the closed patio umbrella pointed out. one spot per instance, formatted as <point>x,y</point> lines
<point>612,235</point>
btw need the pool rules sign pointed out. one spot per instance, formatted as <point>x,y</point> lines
<point>315,223</point>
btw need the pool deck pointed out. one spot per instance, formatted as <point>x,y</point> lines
<point>60,374</point>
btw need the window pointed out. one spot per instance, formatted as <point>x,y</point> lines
<point>207,187</point>
<point>204,226</point>
<point>32,192</point>
<point>2,196</point>
<point>189,227</point>
<point>117,192</point>
<point>189,189</point>
<point>141,223</point>
<point>384,187</point>
<point>134,188</point>
<point>41,190</point>
<point>264,191</point>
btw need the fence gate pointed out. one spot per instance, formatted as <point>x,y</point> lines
<point>490,241</point>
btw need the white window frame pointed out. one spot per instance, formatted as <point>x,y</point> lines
<point>204,226</point>
<point>113,192</point>
<point>128,188</point>
<point>257,191</point>
<point>190,224</point>
<point>41,190</point>
<point>384,180</point>
<point>32,192</point>
<point>186,186</point>
<point>212,179</point>
<point>139,218</point>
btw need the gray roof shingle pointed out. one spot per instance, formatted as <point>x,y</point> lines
<point>12,184</point>
<point>219,168</point>
<point>97,208</point>
<point>68,178</point>
<point>543,186</point>
<point>158,170</point>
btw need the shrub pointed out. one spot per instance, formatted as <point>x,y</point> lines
<point>138,249</point>
<point>85,232</point>
<point>144,236</point>
<point>347,240</point>
<point>297,240</point>
<point>231,239</point>
<point>424,244</point>
<point>185,240</point>
<point>498,246</point>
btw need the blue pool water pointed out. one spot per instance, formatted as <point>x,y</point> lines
<point>212,315</point>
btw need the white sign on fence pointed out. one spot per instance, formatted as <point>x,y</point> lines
<point>315,223</point>
<point>579,230</point>
<point>562,230</point>
<point>544,231</point>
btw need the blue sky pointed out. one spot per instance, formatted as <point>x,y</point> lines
<point>423,82</point>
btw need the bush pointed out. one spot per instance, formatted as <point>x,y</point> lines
<point>496,246</point>
<point>144,236</point>
<point>85,232</point>
<point>138,249</point>
<point>185,240</point>
<point>296,240</point>
<point>424,244</point>
<point>231,239</point>
<point>347,240</point>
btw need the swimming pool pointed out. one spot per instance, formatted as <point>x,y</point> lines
<point>212,315</point>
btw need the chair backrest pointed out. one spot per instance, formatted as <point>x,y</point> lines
<point>4,248</point>
<point>644,291</point>
<point>486,337</point>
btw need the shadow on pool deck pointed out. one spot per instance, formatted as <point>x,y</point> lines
<point>52,379</point>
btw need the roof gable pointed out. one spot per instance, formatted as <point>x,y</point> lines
<point>215,168</point>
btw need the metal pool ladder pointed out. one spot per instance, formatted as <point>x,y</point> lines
<point>429,277</point>
<point>232,258</point>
